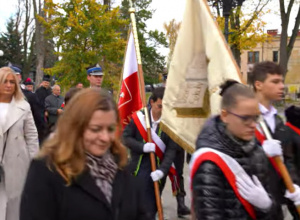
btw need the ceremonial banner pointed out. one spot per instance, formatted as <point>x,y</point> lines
<point>130,99</point>
<point>201,62</point>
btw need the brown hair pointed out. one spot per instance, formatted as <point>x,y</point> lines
<point>231,90</point>
<point>4,72</point>
<point>262,69</point>
<point>65,149</point>
<point>71,93</point>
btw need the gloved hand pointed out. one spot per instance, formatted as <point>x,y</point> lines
<point>149,147</point>
<point>156,175</point>
<point>295,196</point>
<point>253,192</point>
<point>272,148</point>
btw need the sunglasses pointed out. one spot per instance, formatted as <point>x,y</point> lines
<point>246,119</point>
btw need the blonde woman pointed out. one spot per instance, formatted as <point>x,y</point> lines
<point>18,143</point>
<point>80,172</point>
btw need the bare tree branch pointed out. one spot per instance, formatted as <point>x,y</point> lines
<point>282,10</point>
<point>255,13</point>
<point>294,34</point>
<point>290,6</point>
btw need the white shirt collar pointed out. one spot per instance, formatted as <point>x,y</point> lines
<point>152,120</point>
<point>265,111</point>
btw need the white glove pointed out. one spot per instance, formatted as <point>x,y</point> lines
<point>253,192</point>
<point>272,148</point>
<point>295,196</point>
<point>149,147</point>
<point>156,175</point>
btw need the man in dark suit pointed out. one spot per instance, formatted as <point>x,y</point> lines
<point>140,165</point>
<point>53,105</point>
<point>36,108</point>
<point>44,90</point>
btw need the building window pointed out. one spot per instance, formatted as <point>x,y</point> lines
<point>253,57</point>
<point>275,56</point>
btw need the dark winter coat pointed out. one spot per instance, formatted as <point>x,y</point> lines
<point>37,112</point>
<point>42,93</point>
<point>46,196</point>
<point>52,104</point>
<point>292,153</point>
<point>277,186</point>
<point>134,141</point>
<point>213,197</point>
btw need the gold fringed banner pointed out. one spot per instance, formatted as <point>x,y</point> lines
<point>201,62</point>
<point>177,139</point>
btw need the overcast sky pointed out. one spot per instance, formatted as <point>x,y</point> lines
<point>165,10</point>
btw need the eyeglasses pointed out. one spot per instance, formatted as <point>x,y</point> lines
<point>246,119</point>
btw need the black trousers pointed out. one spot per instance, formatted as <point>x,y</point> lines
<point>293,210</point>
<point>179,165</point>
<point>149,195</point>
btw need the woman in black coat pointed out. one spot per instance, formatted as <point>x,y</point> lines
<point>232,134</point>
<point>79,173</point>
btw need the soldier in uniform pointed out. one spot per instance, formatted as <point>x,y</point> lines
<point>95,75</point>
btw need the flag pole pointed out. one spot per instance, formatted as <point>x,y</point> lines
<point>282,168</point>
<point>143,97</point>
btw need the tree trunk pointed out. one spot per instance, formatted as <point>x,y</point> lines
<point>283,61</point>
<point>39,44</point>
<point>108,3</point>
<point>236,54</point>
<point>284,37</point>
<point>235,23</point>
<point>286,46</point>
<point>26,60</point>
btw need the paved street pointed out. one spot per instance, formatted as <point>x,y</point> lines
<point>169,201</point>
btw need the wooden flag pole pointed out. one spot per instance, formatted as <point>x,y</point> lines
<point>282,168</point>
<point>147,118</point>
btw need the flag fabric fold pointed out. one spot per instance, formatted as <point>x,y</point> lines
<point>130,98</point>
<point>201,62</point>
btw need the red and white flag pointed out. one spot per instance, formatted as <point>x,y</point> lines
<point>130,98</point>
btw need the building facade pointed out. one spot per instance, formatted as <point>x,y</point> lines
<point>269,51</point>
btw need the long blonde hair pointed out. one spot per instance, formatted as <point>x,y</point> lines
<point>4,72</point>
<point>65,149</point>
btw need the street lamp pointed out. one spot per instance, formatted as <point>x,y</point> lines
<point>227,7</point>
<point>1,53</point>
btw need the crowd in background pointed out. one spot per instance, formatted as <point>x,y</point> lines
<point>64,157</point>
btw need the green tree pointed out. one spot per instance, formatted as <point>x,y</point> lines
<point>11,44</point>
<point>153,62</point>
<point>84,33</point>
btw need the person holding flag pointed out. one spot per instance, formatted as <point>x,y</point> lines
<point>268,84</point>
<point>135,138</point>
<point>229,171</point>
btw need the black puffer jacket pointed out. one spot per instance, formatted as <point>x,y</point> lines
<point>213,197</point>
<point>292,151</point>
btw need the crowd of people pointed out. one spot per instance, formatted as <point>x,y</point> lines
<point>64,157</point>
